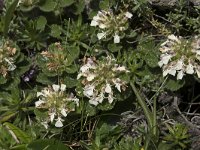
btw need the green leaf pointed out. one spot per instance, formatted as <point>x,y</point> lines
<point>7,116</point>
<point>174,85</point>
<point>151,59</point>
<point>19,147</point>
<point>79,7</point>
<point>48,5</point>
<point>104,5</point>
<point>114,47</point>
<point>42,78</point>
<point>18,133</point>
<point>41,23</point>
<point>2,80</point>
<point>47,144</point>
<point>56,31</point>
<point>65,3</point>
<point>70,82</point>
<point>165,146</point>
<point>73,54</point>
<point>8,17</point>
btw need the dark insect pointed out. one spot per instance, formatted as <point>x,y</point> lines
<point>30,74</point>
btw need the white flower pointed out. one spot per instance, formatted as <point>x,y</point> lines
<point>94,23</point>
<point>110,98</point>
<point>40,94</point>
<point>98,82</point>
<point>110,24</point>
<point>101,35</point>
<point>108,88</point>
<point>118,84</point>
<point>63,87</point>
<point>102,25</point>
<point>89,90</point>
<point>176,58</point>
<point>46,92</point>
<point>63,112</point>
<point>164,60</point>
<point>171,71</point>
<point>189,69</point>
<point>11,66</point>
<point>38,103</point>
<point>59,123</point>
<point>179,65</point>
<point>180,75</point>
<point>116,38</point>
<point>173,38</point>
<point>100,98</point>
<point>91,77</point>
<point>84,68</point>
<point>56,87</point>
<point>93,102</point>
<point>128,15</point>
<point>57,103</point>
<point>122,68</point>
<point>52,116</point>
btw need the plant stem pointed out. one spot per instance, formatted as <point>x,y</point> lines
<point>144,106</point>
<point>154,117</point>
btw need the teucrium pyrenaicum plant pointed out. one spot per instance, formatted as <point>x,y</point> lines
<point>111,24</point>
<point>100,78</point>
<point>180,56</point>
<point>57,102</point>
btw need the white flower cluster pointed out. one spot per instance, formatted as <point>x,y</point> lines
<point>99,78</point>
<point>7,53</point>
<point>57,102</point>
<point>180,56</point>
<point>110,24</point>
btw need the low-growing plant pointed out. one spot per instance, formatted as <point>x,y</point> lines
<point>70,69</point>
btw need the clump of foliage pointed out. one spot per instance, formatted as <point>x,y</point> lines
<point>70,70</point>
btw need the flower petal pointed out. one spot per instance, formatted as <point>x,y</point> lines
<point>88,90</point>
<point>94,23</point>
<point>52,116</point>
<point>38,103</point>
<point>180,75</point>
<point>63,112</point>
<point>93,102</point>
<point>90,77</point>
<point>108,88</point>
<point>56,87</point>
<point>116,38</point>
<point>59,123</point>
<point>189,69</point>
<point>110,98</point>
<point>101,35</point>
<point>63,87</point>
<point>128,15</point>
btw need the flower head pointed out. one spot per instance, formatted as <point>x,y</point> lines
<point>56,102</point>
<point>180,56</point>
<point>100,78</point>
<point>110,24</point>
<point>7,53</point>
<point>55,58</point>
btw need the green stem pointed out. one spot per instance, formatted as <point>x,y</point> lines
<point>144,106</point>
<point>154,117</point>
